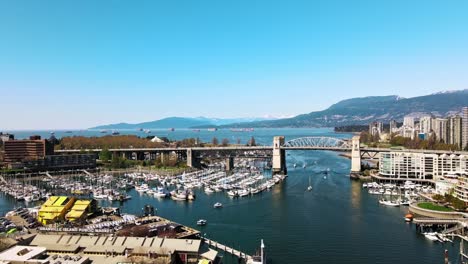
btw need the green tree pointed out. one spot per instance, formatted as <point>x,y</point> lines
<point>215,141</point>
<point>105,155</point>
<point>225,142</point>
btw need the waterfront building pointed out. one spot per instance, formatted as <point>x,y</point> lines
<point>465,127</point>
<point>21,150</point>
<point>80,210</point>
<point>38,154</point>
<point>55,209</point>
<point>441,129</point>
<point>107,249</point>
<point>422,166</point>
<point>461,190</point>
<point>375,128</point>
<point>455,131</point>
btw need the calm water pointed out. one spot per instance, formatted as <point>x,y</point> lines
<point>338,222</point>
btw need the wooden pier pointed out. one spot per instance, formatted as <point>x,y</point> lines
<point>232,251</point>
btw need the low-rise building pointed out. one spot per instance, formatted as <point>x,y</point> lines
<point>55,209</point>
<point>107,249</point>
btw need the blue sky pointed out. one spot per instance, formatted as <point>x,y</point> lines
<point>76,64</point>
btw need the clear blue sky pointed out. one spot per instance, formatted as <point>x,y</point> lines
<point>76,64</point>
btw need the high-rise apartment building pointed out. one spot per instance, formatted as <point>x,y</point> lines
<point>408,121</point>
<point>455,130</point>
<point>465,127</point>
<point>441,129</point>
<point>393,126</point>
<point>425,124</point>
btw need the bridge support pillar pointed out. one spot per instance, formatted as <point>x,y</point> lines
<point>190,158</point>
<point>279,157</point>
<point>229,164</point>
<point>355,155</point>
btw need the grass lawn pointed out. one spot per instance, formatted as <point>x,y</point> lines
<point>434,207</point>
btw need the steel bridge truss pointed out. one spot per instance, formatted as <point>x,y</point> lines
<point>317,142</point>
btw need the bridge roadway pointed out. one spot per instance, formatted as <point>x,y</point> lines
<point>248,148</point>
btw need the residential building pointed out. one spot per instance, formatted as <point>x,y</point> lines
<point>393,126</point>
<point>455,131</point>
<point>425,124</point>
<point>461,189</point>
<point>465,127</point>
<point>423,166</point>
<point>408,121</point>
<point>375,128</point>
<point>441,129</point>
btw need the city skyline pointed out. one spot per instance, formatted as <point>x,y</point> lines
<point>70,65</point>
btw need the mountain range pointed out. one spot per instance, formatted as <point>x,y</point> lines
<point>181,122</point>
<point>355,111</point>
<point>361,111</point>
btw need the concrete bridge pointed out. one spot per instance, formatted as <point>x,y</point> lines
<point>276,152</point>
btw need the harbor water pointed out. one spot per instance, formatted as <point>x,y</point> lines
<point>337,222</point>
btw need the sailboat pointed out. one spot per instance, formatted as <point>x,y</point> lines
<point>309,188</point>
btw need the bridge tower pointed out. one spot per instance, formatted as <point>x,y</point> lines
<point>355,155</point>
<point>279,157</point>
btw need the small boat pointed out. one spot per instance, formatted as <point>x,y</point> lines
<point>243,192</point>
<point>295,165</point>
<point>233,193</point>
<point>114,132</point>
<point>172,129</point>
<point>209,190</point>
<point>432,237</point>
<point>218,205</point>
<point>409,217</point>
<point>304,166</point>
<point>309,188</point>
<point>202,222</point>
<point>364,185</point>
<point>161,193</point>
<point>389,203</point>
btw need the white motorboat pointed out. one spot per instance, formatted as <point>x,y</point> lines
<point>243,192</point>
<point>161,193</point>
<point>202,222</point>
<point>432,236</point>
<point>389,203</point>
<point>233,193</point>
<point>218,205</point>
<point>208,190</point>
